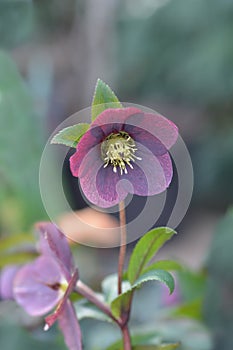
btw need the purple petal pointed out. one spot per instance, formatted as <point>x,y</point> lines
<point>150,175</point>
<point>89,140</point>
<point>54,316</point>
<point>70,327</point>
<point>112,120</point>
<point>98,183</point>
<point>7,276</point>
<point>53,242</point>
<point>147,139</point>
<point>109,187</point>
<point>160,127</point>
<point>36,286</point>
<point>166,163</point>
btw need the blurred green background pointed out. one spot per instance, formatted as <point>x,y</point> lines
<point>175,56</point>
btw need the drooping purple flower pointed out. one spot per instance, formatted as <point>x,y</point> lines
<point>124,151</point>
<point>48,281</point>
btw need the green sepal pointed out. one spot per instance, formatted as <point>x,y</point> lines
<point>103,99</point>
<point>71,135</point>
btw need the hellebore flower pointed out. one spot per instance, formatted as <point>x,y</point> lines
<point>48,281</point>
<point>124,151</point>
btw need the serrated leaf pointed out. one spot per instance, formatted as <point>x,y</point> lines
<point>156,275</point>
<point>146,249</point>
<point>167,265</point>
<point>103,99</point>
<point>71,135</point>
<point>121,304</point>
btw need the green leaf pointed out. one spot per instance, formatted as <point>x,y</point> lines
<point>167,265</point>
<point>104,98</point>
<point>145,250</point>
<point>121,304</point>
<point>70,136</point>
<point>156,275</point>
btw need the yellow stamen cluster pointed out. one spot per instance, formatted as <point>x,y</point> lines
<point>119,150</point>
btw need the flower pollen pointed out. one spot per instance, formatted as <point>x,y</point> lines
<point>118,150</point>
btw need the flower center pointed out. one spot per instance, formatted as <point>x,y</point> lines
<point>119,150</point>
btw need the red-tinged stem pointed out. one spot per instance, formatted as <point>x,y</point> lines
<point>126,338</point>
<point>123,243</point>
<point>121,261</point>
<point>90,295</point>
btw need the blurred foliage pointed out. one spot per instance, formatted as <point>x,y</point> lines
<point>185,52</point>
<point>182,53</point>
<point>218,306</point>
<point>54,16</point>
<point>16,21</point>
<point>213,166</point>
<point>15,337</point>
<point>20,150</point>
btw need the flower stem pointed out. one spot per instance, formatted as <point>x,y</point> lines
<point>90,295</point>
<point>123,243</point>
<point>126,338</point>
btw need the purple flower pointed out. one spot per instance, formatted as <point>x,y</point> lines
<point>48,281</point>
<point>124,151</point>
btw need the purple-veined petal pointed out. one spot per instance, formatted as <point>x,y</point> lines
<point>147,177</point>
<point>98,183</point>
<point>109,187</point>
<point>162,128</point>
<point>7,276</point>
<point>49,320</point>
<point>166,163</point>
<point>147,139</point>
<point>89,140</point>
<point>112,120</point>
<point>69,325</point>
<point>36,286</point>
<point>53,242</point>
